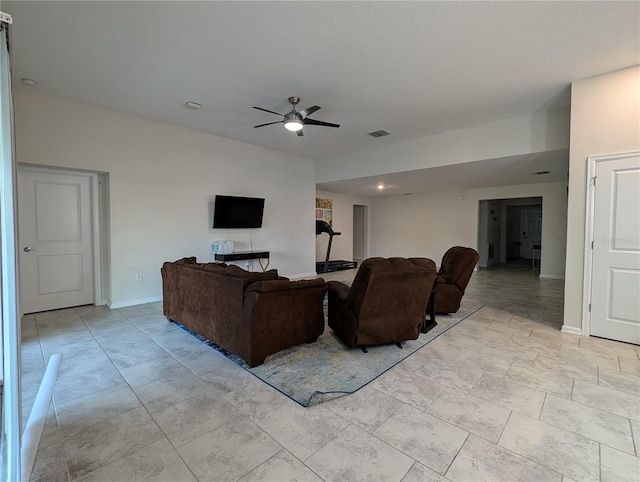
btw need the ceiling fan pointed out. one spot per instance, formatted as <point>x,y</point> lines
<point>294,120</point>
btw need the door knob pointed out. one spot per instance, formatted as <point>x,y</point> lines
<point>27,249</point>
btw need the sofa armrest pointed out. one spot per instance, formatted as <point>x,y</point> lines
<point>340,290</point>
<point>278,314</point>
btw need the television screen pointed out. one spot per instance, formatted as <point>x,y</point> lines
<point>238,212</point>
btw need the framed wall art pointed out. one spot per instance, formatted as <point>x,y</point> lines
<point>324,210</point>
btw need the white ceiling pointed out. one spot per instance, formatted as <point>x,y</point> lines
<point>505,171</point>
<point>411,68</point>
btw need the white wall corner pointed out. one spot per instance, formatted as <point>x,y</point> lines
<point>571,329</point>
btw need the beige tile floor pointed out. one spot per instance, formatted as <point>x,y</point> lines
<point>504,396</point>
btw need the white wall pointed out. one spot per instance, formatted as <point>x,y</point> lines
<point>161,180</point>
<point>541,131</point>
<point>429,224</point>
<point>342,246</point>
<point>605,119</point>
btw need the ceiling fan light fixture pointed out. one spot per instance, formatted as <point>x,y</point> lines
<point>293,125</point>
<point>294,121</point>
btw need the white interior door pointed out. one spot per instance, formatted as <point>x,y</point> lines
<point>55,233</point>
<point>615,293</point>
<point>531,230</point>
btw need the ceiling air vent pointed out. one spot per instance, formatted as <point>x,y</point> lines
<point>378,133</point>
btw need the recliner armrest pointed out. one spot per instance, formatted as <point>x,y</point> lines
<point>341,290</point>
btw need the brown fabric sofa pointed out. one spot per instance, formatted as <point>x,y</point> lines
<point>386,303</point>
<point>252,315</point>
<point>454,274</point>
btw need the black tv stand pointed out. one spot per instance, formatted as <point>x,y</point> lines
<point>241,255</point>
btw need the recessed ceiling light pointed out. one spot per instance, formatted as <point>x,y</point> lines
<point>381,186</point>
<point>29,82</point>
<point>192,105</point>
<point>541,173</point>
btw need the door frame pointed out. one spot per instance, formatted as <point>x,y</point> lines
<point>96,221</point>
<point>592,167</point>
<point>365,228</point>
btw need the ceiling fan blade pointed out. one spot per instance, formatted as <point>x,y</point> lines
<point>308,111</point>
<point>300,133</point>
<point>314,122</point>
<point>269,123</point>
<point>267,110</point>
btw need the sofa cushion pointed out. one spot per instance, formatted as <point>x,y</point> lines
<point>217,267</point>
<point>249,276</point>
<point>189,260</point>
<point>252,276</point>
<point>192,263</point>
<point>267,286</point>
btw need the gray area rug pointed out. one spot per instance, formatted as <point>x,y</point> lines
<point>315,372</point>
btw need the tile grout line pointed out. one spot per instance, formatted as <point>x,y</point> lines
<point>633,439</point>
<point>444,474</point>
<point>524,456</point>
<point>535,461</point>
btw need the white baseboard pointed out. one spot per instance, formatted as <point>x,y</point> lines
<point>142,301</point>
<point>551,276</point>
<point>571,329</point>
<point>310,275</point>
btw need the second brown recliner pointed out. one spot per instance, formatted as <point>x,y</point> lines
<point>385,304</point>
<point>453,276</point>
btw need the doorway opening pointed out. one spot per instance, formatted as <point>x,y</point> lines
<point>359,233</point>
<point>510,233</point>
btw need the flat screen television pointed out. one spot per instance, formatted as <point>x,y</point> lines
<point>237,212</point>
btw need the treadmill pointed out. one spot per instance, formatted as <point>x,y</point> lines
<point>327,266</point>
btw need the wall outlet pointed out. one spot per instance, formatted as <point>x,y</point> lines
<point>138,276</point>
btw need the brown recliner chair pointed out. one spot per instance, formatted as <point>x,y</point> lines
<point>385,304</point>
<point>455,271</point>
